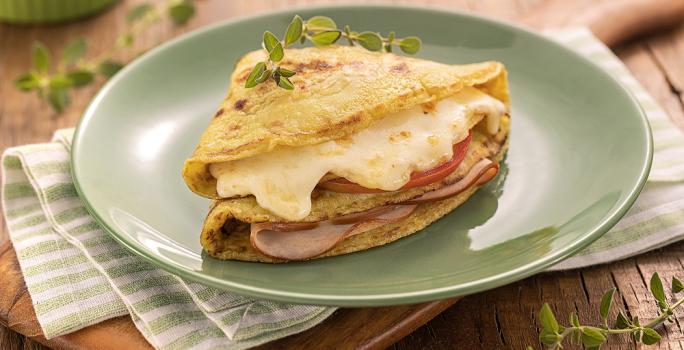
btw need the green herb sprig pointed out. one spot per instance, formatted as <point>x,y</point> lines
<point>593,337</point>
<point>74,71</point>
<point>321,31</point>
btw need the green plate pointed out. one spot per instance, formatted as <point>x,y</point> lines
<point>580,151</point>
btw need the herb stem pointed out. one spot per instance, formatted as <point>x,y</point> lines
<point>622,331</point>
<point>660,319</point>
<point>321,31</point>
<point>594,337</point>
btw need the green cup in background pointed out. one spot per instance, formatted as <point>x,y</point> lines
<point>48,11</point>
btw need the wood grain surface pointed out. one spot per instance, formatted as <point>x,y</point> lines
<point>498,319</point>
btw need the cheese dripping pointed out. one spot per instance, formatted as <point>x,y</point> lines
<point>382,156</point>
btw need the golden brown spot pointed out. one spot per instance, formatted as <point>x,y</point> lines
<point>344,141</point>
<point>218,113</point>
<point>374,161</point>
<point>402,135</point>
<point>354,118</point>
<point>314,65</point>
<point>399,68</point>
<point>240,104</point>
<point>234,127</point>
<point>428,107</point>
<point>320,65</point>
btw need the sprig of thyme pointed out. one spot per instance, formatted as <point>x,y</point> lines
<point>74,71</point>
<point>593,337</point>
<point>321,31</point>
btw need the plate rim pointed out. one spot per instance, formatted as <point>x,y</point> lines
<point>519,273</point>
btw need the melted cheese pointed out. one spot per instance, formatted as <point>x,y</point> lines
<point>382,156</point>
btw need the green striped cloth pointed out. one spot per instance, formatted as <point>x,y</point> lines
<point>77,275</point>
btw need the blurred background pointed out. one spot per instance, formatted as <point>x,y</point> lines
<point>97,37</point>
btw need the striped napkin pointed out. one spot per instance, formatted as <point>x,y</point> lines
<point>77,275</point>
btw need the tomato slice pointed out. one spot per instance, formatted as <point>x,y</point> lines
<point>417,178</point>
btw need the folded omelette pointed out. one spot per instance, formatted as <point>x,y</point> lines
<point>368,148</point>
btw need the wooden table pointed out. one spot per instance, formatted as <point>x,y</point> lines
<point>500,318</point>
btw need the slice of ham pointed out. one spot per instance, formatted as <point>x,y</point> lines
<point>479,174</point>
<point>277,240</point>
<point>306,240</point>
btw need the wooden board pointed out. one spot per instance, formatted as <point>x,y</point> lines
<point>503,318</point>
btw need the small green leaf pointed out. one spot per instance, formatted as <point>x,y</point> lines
<point>60,81</point>
<point>264,76</point>
<point>548,320</point>
<point>41,58</point>
<point>390,41</point>
<point>325,38</point>
<point>270,41</point>
<point>606,301</point>
<point>637,336</point>
<point>108,68</point>
<point>592,336</point>
<point>636,322</point>
<point>73,51</point>
<point>574,320</point>
<point>370,41</point>
<point>547,337</point>
<point>657,288</point>
<point>320,23</point>
<point>181,12</point>
<point>285,83</point>
<point>277,53</point>
<point>80,77</point>
<point>256,73</point>
<point>27,82</point>
<point>650,336</point>
<point>294,30</point>
<point>662,305</point>
<point>677,285</point>
<point>58,98</point>
<point>410,45</point>
<point>285,72</point>
<point>138,12</point>
<point>622,322</point>
<point>390,37</point>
